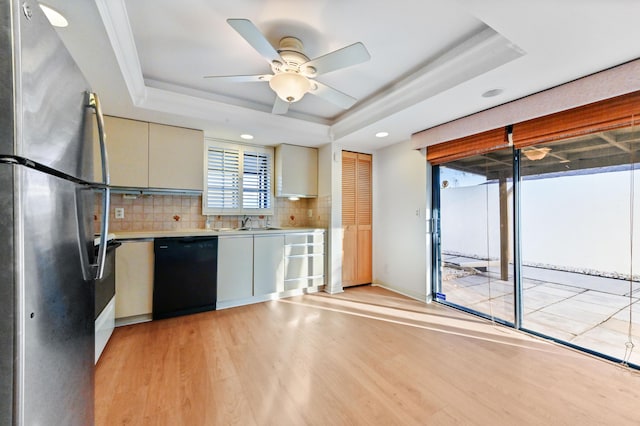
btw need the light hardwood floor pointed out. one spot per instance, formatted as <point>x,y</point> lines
<point>367,356</point>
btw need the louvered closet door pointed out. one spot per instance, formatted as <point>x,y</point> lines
<point>364,218</point>
<point>356,218</point>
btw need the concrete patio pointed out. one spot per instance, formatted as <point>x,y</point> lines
<point>588,311</point>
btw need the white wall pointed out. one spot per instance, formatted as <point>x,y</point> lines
<point>325,156</point>
<point>330,185</point>
<point>400,243</point>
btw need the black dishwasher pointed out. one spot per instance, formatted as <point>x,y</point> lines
<point>185,276</point>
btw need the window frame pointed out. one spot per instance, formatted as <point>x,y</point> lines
<point>240,189</point>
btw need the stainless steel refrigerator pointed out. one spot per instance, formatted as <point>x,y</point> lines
<point>47,261</point>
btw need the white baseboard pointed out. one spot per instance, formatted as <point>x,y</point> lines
<point>134,319</point>
<point>264,298</point>
<point>416,296</point>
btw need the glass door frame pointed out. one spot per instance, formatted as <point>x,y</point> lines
<point>436,253</point>
<point>436,262</point>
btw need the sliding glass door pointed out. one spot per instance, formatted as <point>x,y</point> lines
<point>580,205</point>
<point>476,249</point>
<point>575,277</point>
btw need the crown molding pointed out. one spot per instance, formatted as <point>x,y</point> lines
<point>197,107</point>
<point>478,54</point>
<point>609,83</point>
<point>116,23</point>
<point>228,100</point>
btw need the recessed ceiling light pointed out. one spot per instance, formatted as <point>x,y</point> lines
<point>246,136</point>
<point>491,93</point>
<point>55,18</point>
<point>382,134</point>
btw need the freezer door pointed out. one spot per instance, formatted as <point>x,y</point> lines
<point>56,128</point>
<point>58,318</point>
<point>7,295</point>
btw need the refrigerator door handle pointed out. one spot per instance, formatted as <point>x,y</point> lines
<point>91,271</point>
<point>98,267</point>
<point>94,103</point>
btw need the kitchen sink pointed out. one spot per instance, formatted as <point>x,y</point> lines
<point>267,228</point>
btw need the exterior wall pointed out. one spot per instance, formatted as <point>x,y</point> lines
<point>577,223</point>
<point>470,221</point>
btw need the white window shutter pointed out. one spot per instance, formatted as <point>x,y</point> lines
<point>238,180</point>
<point>256,185</point>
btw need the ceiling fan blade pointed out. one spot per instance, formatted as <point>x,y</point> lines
<point>341,58</point>
<point>334,96</point>
<point>255,38</point>
<point>280,106</point>
<point>241,78</point>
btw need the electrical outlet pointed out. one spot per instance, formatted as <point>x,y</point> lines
<point>119,212</point>
<point>309,213</point>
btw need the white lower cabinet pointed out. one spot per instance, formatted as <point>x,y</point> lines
<point>104,325</point>
<point>304,260</point>
<point>268,264</point>
<point>235,267</point>
<point>252,267</point>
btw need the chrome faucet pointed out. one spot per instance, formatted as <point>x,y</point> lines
<point>246,220</point>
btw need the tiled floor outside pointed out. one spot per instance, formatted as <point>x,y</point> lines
<point>588,311</point>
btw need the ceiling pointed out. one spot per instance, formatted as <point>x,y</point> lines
<point>431,60</point>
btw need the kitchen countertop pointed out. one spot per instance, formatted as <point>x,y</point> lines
<point>133,235</point>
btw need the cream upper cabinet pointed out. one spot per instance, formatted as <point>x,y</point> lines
<point>127,151</point>
<point>296,171</point>
<point>150,155</point>
<point>176,157</point>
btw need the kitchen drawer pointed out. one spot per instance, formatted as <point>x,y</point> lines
<point>302,249</point>
<point>304,266</point>
<point>304,283</point>
<point>304,238</point>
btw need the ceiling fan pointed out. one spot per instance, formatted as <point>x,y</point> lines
<point>293,72</point>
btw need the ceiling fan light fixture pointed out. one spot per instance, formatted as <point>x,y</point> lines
<point>290,86</point>
<point>310,71</point>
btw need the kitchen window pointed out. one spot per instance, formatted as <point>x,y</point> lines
<point>238,179</point>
